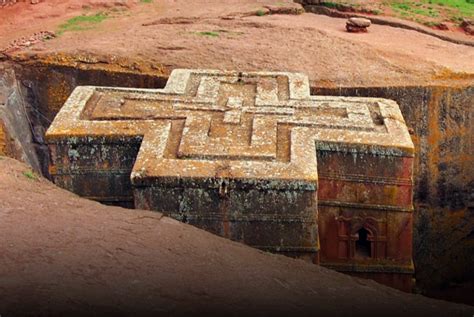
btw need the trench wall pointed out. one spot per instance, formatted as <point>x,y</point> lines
<point>441,122</point>
<point>440,118</point>
<point>16,137</point>
<point>48,86</point>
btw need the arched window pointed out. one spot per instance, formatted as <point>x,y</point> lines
<point>363,245</point>
<point>361,238</point>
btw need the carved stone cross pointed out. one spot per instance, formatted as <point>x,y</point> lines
<point>234,153</point>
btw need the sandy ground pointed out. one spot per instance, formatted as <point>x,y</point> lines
<point>61,255</point>
<point>167,34</point>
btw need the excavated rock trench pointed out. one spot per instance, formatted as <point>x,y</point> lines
<point>439,118</point>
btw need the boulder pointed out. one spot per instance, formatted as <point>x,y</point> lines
<point>357,25</point>
<point>468,26</point>
<point>359,22</point>
<point>469,29</point>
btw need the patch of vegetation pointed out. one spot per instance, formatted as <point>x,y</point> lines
<point>208,33</point>
<point>430,23</point>
<point>146,1</point>
<point>330,4</point>
<point>437,10</point>
<point>217,33</point>
<point>30,175</point>
<point>421,11</point>
<point>401,6</point>
<point>457,19</point>
<point>260,13</point>
<point>465,7</point>
<point>82,22</point>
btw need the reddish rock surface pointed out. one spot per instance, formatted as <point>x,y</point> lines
<point>355,29</point>
<point>229,35</point>
<point>63,255</point>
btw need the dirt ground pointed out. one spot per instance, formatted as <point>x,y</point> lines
<point>230,35</point>
<point>446,15</point>
<point>62,255</point>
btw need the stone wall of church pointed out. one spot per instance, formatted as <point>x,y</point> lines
<point>438,116</point>
<point>440,119</point>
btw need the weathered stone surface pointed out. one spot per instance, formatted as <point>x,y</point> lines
<point>469,29</point>
<point>3,139</point>
<point>357,25</point>
<point>468,26</point>
<point>16,137</point>
<point>441,118</point>
<point>287,8</point>
<point>359,22</point>
<point>467,22</point>
<point>235,153</point>
<point>355,29</point>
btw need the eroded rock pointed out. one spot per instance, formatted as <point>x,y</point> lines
<point>357,25</point>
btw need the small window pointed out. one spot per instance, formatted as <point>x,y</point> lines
<point>363,249</point>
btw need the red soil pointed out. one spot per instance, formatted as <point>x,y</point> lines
<point>168,34</point>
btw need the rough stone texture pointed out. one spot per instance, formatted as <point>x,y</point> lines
<point>235,153</point>
<point>357,25</point>
<point>355,29</point>
<point>360,22</point>
<point>441,121</point>
<point>367,64</point>
<point>468,26</point>
<point>469,29</point>
<point>309,1</point>
<point>27,41</point>
<point>16,137</point>
<point>441,254</point>
<point>46,88</point>
<point>3,140</point>
<point>80,258</point>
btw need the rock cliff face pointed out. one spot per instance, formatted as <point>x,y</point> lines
<point>3,140</point>
<point>16,138</point>
<point>440,119</point>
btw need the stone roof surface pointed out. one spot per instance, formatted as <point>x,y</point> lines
<point>239,125</point>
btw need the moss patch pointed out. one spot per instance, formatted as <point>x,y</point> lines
<point>82,22</point>
<point>208,33</point>
<point>30,175</point>
<point>217,33</point>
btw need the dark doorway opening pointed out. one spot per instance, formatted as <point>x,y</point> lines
<point>363,249</point>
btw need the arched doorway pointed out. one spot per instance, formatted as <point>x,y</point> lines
<point>363,248</point>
